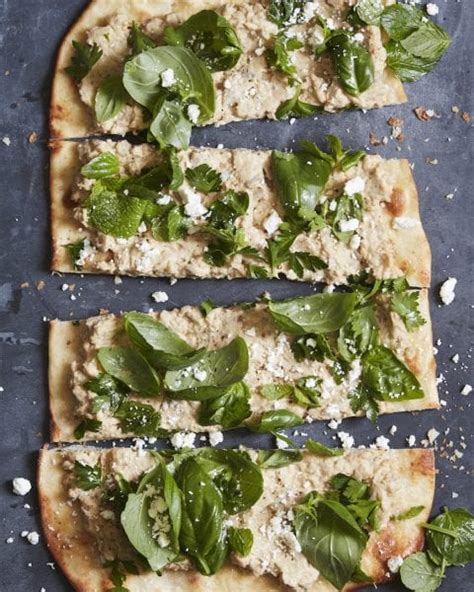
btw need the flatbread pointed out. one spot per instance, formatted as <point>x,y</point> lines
<point>72,118</point>
<point>70,347</point>
<point>75,549</point>
<point>393,240</point>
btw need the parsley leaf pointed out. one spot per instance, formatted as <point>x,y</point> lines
<point>406,305</point>
<point>204,178</point>
<point>278,55</point>
<point>87,425</point>
<point>139,419</point>
<point>87,477</point>
<point>84,59</point>
<point>138,41</point>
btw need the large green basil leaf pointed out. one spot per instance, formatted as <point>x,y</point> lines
<point>229,409</point>
<point>419,573</point>
<point>270,421</point>
<point>299,180</point>
<point>275,459</point>
<point>139,526</point>
<point>163,347</point>
<point>286,12</point>
<point>170,126</point>
<point>320,313</point>
<point>139,419</point>
<point>83,60</point>
<point>240,540</point>
<point>114,214</point>
<point>387,378</point>
<point>110,99</point>
<point>215,370</point>
<point>142,78</point>
<point>131,368</point>
<point>239,480</point>
<point>400,20</point>
<point>457,550</point>
<point>330,539</point>
<point>211,37</point>
<point>352,62</point>
<point>202,528</point>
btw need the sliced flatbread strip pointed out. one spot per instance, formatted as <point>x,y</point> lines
<point>389,240</point>
<point>81,537</point>
<point>73,348</point>
<point>250,90</point>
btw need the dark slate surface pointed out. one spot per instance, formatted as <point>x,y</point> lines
<point>30,31</point>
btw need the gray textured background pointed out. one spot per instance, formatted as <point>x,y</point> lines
<point>30,31</point>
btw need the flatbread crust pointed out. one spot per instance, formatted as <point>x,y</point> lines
<point>403,251</point>
<point>65,347</point>
<point>74,549</point>
<point>71,118</point>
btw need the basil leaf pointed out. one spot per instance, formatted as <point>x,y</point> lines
<point>110,99</point>
<point>406,306</point>
<point>299,180</point>
<point>369,11</point>
<point>400,20</point>
<point>229,409</point>
<point>170,126</point>
<point>202,519</point>
<point>87,425</point>
<point>419,573</point>
<point>457,550</point>
<point>274,392</point>
<point>102,167</point>
<point>271,421</point>
<point>387,378</point>
<point>131,368</point>
<point>330,538</point>
<point>410,513</point>
<point>238,479</point>
<point>211,37</point>
<point>406,66</point>
<point>114,214</point>
<point>321,450</point>
<point>215,370</point>
<point>295,107</point>
<point>142,78</point>
<point>204,179</point>
<point>138,41</point>
<point>139,419</point>
<point>240,540</point>
<point>429,42</point>
<point>352,62</point>
<point>286,12</point>
<point>110,392</point>
<point>320,313</point>
<point>84,59</point>
<point>275,459</point>
<point>87,477</point>
<point>150,335</point>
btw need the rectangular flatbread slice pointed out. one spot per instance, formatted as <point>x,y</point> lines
<point>278,361</point>
<point>368,218</point>
<point>249,90</point>
<point>85,536</point>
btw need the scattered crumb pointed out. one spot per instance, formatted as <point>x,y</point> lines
<point>432,9</point>
<point>160,297</point>
<point>466,117</point>
<point>373,140</point>
<point>40,285</point>
<point>33,138</point>
<point>466,390</point>
<point>6,140</point>
<point>424,114</point>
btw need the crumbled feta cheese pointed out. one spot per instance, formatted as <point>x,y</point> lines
<point>454,495</point>
<point>404,223</point>
<point>346,439</point>
<point>355,185</point>
<point>167,78</point>
<point>466,390</point>
<point>432,435</point>
<point>382,442</point>
<point>455,358</point>
<point>183,440</point>
<point>411,440</point>
<point>258,52</point>
<point>394,563</point>
<point>446,291</point>
<point>355,242</point>
<point>85,253</point>
<point>432,9</point>
<point>272,223</point>
<point>65,287</point>
<point>333,424</point>
<point>216,438</point>
<point>193,206</point>
<point>160,296</point>
<point>163,200</point>
<point>33,538</point>
<point>6,140</point>
<point>142,228</point>
<point>200,375</point>
<point>193,113</point>
<point>9,540</point>
<point>359,37</point>
<point>349,225</point>
<point>21,486</point>
<point>393,430</point>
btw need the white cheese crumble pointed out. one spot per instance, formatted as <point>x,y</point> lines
<point>394,563</point>
<point>382,442</point>
<point>355,242</point>
<point>272,223</point>
<point>33,538</point>
<point>142,228</point>
<point>411,440</point>
<point>164,200</point>
<point>21,486</point>
<point>193,113</point>
<point>355,185</point>
<point>87,251</point>
<point>346,439</point>
<point>200,375</point>
<point>6,140</point>
<point>405,223</point>
<point>160,296</point>
<point>216,438</point>
<point>281,444</point>
<point>167,78</point>
<point>432,9</point>
<point>193,205</point>
<point>432,435</point>
<point>349,225</point>
<point>446,291</point>
<point>466,390</point>
<point>183,440</point>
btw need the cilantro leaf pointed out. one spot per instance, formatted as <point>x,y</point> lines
<point>406,305</point>
<point>204,178</point>
<point>87,477</point>
<point>139,419</point>
<point>84,59</point>
<point>87,425</point>
<point>278,56</point>
<point>138,41</point>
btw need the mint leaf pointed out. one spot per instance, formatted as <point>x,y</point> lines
<point>204,179</point>
<point>270,421</point>
<point>352,62</point>
<point>113,213</point>
<point>84,59</point>
<point>110,99</point>
<point>240,540</point>
<point>104,166</point>
<point>130,367</point>
<point>295,107</point>
<point>419,573</point>
<point>171,224</point>
<point>275,459</point>
<point>229,409</point>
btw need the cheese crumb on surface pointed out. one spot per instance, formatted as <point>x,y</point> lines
<point>216,438</point>
<point>355,185</point>
<point>411,440</point>
<point>193,113</point>
<point>272,223</point>
<point>6,140</point>
<point>200,375</point>
<point>33,538</point>
<point>446,291</point>
<point>432,435</point>
<point>167,78</point>
<point>466,390</point>
<point>394,563</point>
<point>382,442</point>
<point>432,9</point>
<point>21,486</point>
<point>346,439</point>
<point>160,296</point>
<point>193,206</point>
<point>404,222</point>
<point>349,225</point>
<point>183,440</point>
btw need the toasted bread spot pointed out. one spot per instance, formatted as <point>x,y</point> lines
<point>396,205</point>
